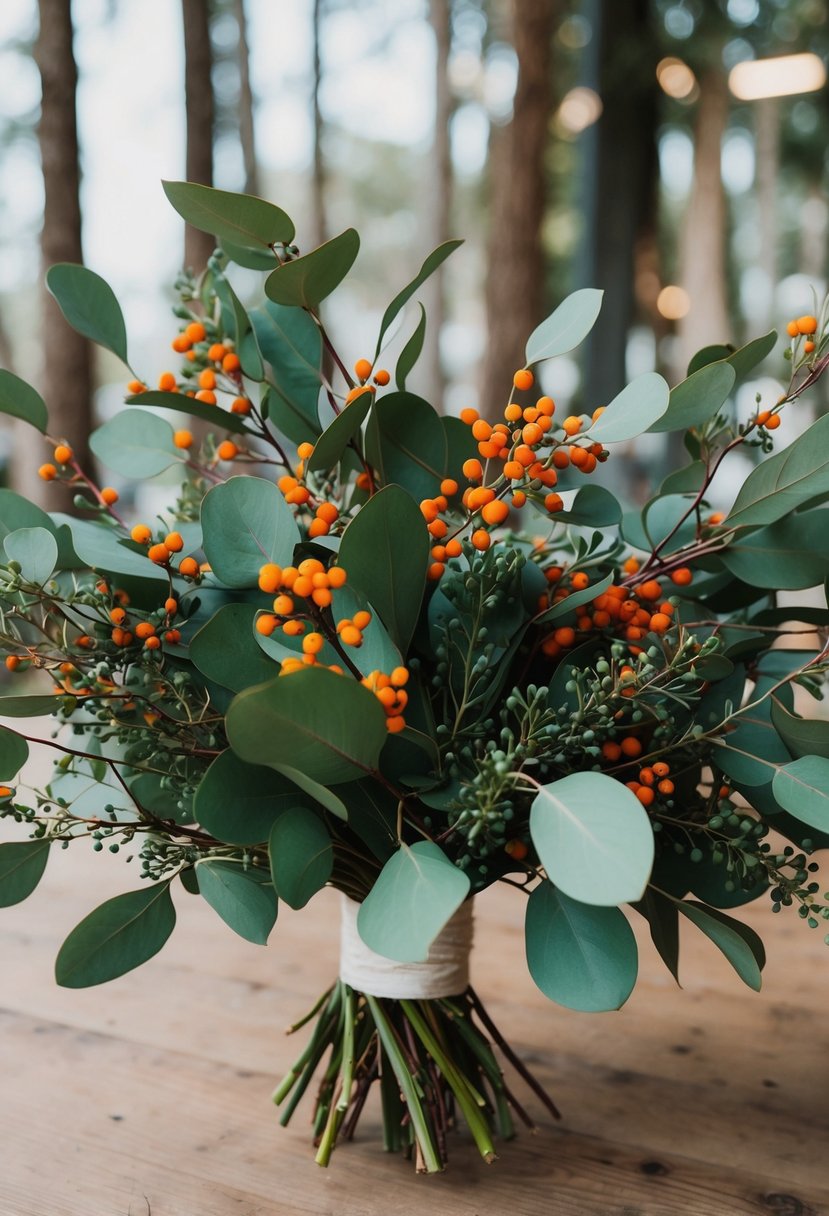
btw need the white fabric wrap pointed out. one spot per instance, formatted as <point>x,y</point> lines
<point>445,972</point>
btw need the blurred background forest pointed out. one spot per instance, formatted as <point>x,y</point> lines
<point>643,146</point>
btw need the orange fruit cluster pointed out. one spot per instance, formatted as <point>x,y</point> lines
<point>389,691</point>
<point>162,551</point>
<point>124,633</point>
<point>309,581</point>
<point>805,326</point>
<point>653,779</point>
<point>362,370</point>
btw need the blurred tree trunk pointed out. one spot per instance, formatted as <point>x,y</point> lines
<point>767,154</point>
<point>319,223</point>
<point>515,279</point>
<point>199,106</point>
<point>702,249</point>
<point>437,205</point>
<point>623,183</point>
<point>247,135</point>
<point>67,371</point>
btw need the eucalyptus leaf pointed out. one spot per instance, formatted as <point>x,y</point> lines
<point>239,803</point>
<point>332,443</point>
<point>246,524</point>
<point>633,411</point>
<point>225,649</point>
<point>740,944</point>
<point>118,936</point>
<point>136,445</point>
<point>221,419</point>
<point>36,550</point>
<point>14,752</point>
<point>22,863</point>
<point>89,305</point>
<point>410,353</point>
<point>302,856</point>
<point>243,898</point>
<point>406,442</point>
<point>785,481</point>
<point>435,259</point>
<point>565,328</point>
<point>290,341</point>
<point>306,281</point>
<point>802,788</point>
<point>697,399</point>
<point>20,400</point>
<point>790,555</point>
<point>240,219</point>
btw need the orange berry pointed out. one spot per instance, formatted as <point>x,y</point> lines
<point>196,332</point>
<point>336,577</point>
<point>660,623</point>
<point>136,386</point>
<point>481,429</point>
<point>240,405</point>
<point>438,529</point>
<point>322,597</point>
<point>144,629</point>
<point>188,567</point>
<point>48,472</point>
<point>808,347</point>
<point>631,565</point>
<point>650,590</point>
<point>312,643</point>
<point>174,542</point>
<point>303,586</point>
<point>806,325</point>
<point>469,416</point>
<point>453,547</point>
<point>362,619</point>
<point>565,636</point>
<point>763,417</point>
<point>472,470</point>
<point>682,577</point>
<point>395,725</point>
<point>631,747</point>
<point>381,377</point>
<point>270,578</point>
<point>481,539</point>
<point>217,352</point>
<point>152,643</point>
<point>173,636</point>
<point>660,768</point>
<point>351,635</point>
<point>362,369</point>
<point>227,450</point>
<point>318,527</point>
<point>265,624</point>
<point>230,363</point>
<point>183,439</point>
<point>532,433</point>
<point>553,503</point>
<point>206,396</point>
<point>523,379</point>
<point>207,378</point>
<point>666,787</point>
<point>773,422</point>
<point>546,406</point>
<point>519,498</point>
<point>580,580</point>
<point>159,554</point>
<point>571,425</point>
<point>283,605</point>
<point>181,343</point>
<point>561,458</point>
<point>792,330</point>
<point>109,496</point>
<point>141,534</point>
<point>611,751</point>
<point>645,795</point>
<point>435,571</point>
<point>513,412</point>
<point>171,606</point>
<point>63,453</point>
<point>495,512</point>
<point>117,616</point>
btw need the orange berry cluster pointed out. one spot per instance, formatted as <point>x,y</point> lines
<point>161,551</point>
<point>431,509</point>
<point>800,327</point>
<point>216,359</point>
<point>309,581</point>
<point>63,458</point>
<point>389,691</point>
<point>124,634</point>
<point>653,779</point>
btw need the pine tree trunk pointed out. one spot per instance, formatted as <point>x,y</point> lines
<point>246,106</point>
<point>67,370</point>
<point>515,280</point>
<point>198,100</point>
<point>703,237</point>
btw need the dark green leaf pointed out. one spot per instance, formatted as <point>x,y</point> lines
<point>21,868</point>
<point>27,707</point>
<point>290,341</point>
<point>740,944</point>
<point>410,353</point>
<point>239,803</point>
<point>20,400</point>
<point>435,259</point>
<point>802,736</point>
<point>319,793</point>
<point>14,752</point>
<point>221,419</point>
<point>574,600</point>
<point>301,856</point>
<point>580,956</point>
<point>697,399</point>
<point>245,899</point>
<point>240,219</point>
<point>118,936</point>
<point>372,815</point>
<point>225,649</point>
<point>251,259</point>
<point>802,788</point>
<point>307,281</point>
<point>385,550</point>
<point>336,437</point>
<point>753,752</point>
<point>789,555</point>
<point>36,550</point>
<point>136,445</point>
<point>417,892</point>
<point>663,922</point>
<point>325,724</point>
<point>743,360</point>
<point>246,523</point>
<point>17,512</point>
<point>406,443</point>
<point>785,481</point>
<point>565,328</point>
<point>89,305</point>
<point>593,507</point>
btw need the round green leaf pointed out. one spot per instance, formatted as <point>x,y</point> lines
<point>89,305</point>
<point>594,838</point>
<point>225,649</point>
<point>20,400</point>
<point>136,445</point>
<point>244,899</point>
<point>301,855</point>
<point>802,787</point>
<point>118,936</point>
<point>17,512</point>
<point>417,892</point>
<point>789,555</point>
<point>98,545</point>
<point>697,399</point>
<point>240,219</point>
<point>21,868</point>
<point>307,281</point>
<point>407,444</point>
<point>290,341</point>
<point>327,725</point>
<point>580,956</point>
<point>246,523</point>
<point>36,550</point>
<point>632,411</point>
<point>565,328</point>
<point>239,803</point>
<point>14,752</point>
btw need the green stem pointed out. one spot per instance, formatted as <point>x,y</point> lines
<point>407,1085</point>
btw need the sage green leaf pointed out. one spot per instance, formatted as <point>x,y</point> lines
<point>580,956</point>
<point>327,725</point>
<point>251,259</point>
<point>802,788</point>
<point>20,400</point>
<point>658,519</point>
<point>663,922</point>
<point>633,411</point>
<point>118,936</point>
<point>417,892</point>
<point>36,550</point>
<point>743,360</point>
<point>290,341</point>
<point>240,219</point>
<point>574,600</point>
<point>136,445</point>
<point>14,752</point>
<point>740,944</point>
<point>21,868</point>
<point>789,555</point>
<point>785,481</point>
<point>594,838</point>
<point>411,352</point>
<point>239,803</point>
<point>301,854</point>
<point>225,649</point>
<point>99,547</point>
<point>244,899</point>
<point>802,736</point>
<point>17,512</point>
<point>565,328</point>
<point>687,480</point>
<point>435,259</point>
<point>753,752</point>
<point>33,706</point>
<point>593,507</point>
<point>307,281</point>
<point>460,446</point>
<point>697,399</point>
<point>237,322</point>
<point>246,523</point>
<point>385,550</point>
<point>221,419</point>
<point>372,815</point>
<point>406,443</point>
<point>89,305</point>
<point>320,793</point>
<point>332,443</point>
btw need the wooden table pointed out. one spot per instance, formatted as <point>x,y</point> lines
<point>150,1096</point>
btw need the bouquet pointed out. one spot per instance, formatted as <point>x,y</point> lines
<point>409,656</point>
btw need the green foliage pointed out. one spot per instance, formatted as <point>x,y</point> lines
<point>594,839</point>
<point>802,787</point>
<point>407,444</point>
<point>411,352</point>
<point>632,411</point>
<point>188,405</point>
<point>246,523</point>
<point>225,649</point>
<point>435,259</point>
<point>580,956</point>
<point>329,727</point>
<point>740,944</point>
<point>36,550</point>
<point>301,855</point>
<point>786,481</point>
<point>243,898</point>
<point>21,868</point>
<point>789,555</point>
<point>20,400</point>
<point>417,892</point>
<point>742,360</point>
<point>291,343</point>
<point>118,936</point>
<point>239,803</point>
<point>14,752</point>
<point>697,399</point>
<point>89,305</point>
<point>136,445</point>
<point>241,221</point>
<point>99,547</point>
<point>565,328</point>
<point>592,507</point>
<point>332,443</point>
<point>307,281</point>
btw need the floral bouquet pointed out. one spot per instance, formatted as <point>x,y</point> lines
<point>408,656</point>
